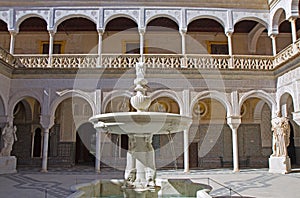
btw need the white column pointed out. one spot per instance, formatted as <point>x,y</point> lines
<point>98,151</point>
<point>100,43</point>
<point>229,39</point>
<point>12,42</point>
<point>273,38</point>
<point>235,150</point>
<point>186,151</point>
<point>293,27</point>
<point>234,122</point>
<point>183,45</point>
<point>51,41</point>
<point>45,150</point>
<point>142,32</point>
<point>185,110</point>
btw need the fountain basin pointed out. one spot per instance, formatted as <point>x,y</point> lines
<point>141,123</point>
<point>168,188</point>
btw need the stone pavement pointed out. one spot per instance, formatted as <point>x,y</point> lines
<point>56,183</point>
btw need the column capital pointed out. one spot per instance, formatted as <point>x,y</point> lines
<point>234,121</point>
<point>13,32</point>
<point>51,32</point>
<point>292,19</point>
<point>182,31</point>
<point>228,33</point>
<point>273,35</point>
<point>101,31</point>
<point>47,121</point>
<point>142,31</point>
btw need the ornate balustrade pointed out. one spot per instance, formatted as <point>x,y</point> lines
<point>163,60</point>
<point>8,58</point>
<point>253,62</point>
<point>33,60</point>
<point>284,55</point>
<point>207,61</point>
<point>197,61</point>
<point>118,60</point>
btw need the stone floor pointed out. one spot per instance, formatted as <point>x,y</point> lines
<point>29,182</point>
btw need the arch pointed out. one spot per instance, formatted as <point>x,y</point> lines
<point>258,94</point>
<point>284,99</point>
<point>27,16</point>
<point>163,16</point>
<point>258,109</point>
<point>220,97</point>
<point>114,94</point>
<point>282,92</point>
<point>59,21</point>
<point>70,94</point>
<point>259,20</point>
<point>221,21</point>
<point>115,16</point>
<point>275,19</point>
<point>20,95</point>
<point>169,94</point>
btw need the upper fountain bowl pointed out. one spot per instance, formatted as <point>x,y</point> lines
<point>141,123</point>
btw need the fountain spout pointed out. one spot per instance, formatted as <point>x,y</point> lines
<point>140,101</point>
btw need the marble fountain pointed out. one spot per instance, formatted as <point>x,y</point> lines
<point>140,173</point>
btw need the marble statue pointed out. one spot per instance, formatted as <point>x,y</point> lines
<point>281,135</point>
<point>9,137</point>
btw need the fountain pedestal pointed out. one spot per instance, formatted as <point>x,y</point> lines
<point>140,168</point>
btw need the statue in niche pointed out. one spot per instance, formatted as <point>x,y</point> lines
<point>9,137</point>
<point>281,135</point>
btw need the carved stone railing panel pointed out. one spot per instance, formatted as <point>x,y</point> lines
<point>253,62</point>
<point>207,61</point>
<point>163,60</point>
<point>33,61</point>
<point>284,55</point>
<point>119,60</point>
<point>8,58</point>
<point>74,61</point>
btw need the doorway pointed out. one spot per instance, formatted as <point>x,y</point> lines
<point>84,140</point>
<point>291,148</point>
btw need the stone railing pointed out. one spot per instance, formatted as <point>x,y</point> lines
<point>196,61</point>
<point>284,55</point>
<point>253,62</point>
<point>207,61</point>
<point>8,58</point>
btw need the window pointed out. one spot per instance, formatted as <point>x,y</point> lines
<point>215,47</point>
<point>131,47</point>
<point>58,47</point>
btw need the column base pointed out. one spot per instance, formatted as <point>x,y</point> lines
<point>44,171</point>
<point>279,165</point>
<point>8,164</point>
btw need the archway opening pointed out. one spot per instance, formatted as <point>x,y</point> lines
<point>254,133</point>
<point>27,119</point>
<point>210,136</point>
<point>85,145</point>
<point>287,107</point>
